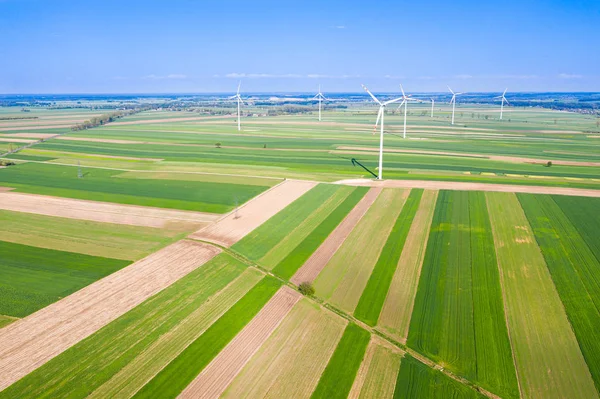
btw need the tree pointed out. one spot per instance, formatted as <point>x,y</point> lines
<point>218,145</point>
<point>306,288</point>
<point>548,164</point>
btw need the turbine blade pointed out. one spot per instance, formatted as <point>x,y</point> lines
<point>450,90</point>
<point>402,90</point>
<point>378,116</point>
<point>393,101</point>
<point>371,94</point>
<point>504,92</point>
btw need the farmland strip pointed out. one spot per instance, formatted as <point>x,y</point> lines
<point>574,270</point>
<point>458,317</point>
<point>215,378</point>
<point>171,380</point>
<point>548,360</point>
<point>343,280</point>
<point>101,211</point>
<point>27,344</point>
<point>175,315</point>
<point>378,372</point>
<point>339,374</point>
<point>237,225</point>
<point>371,302</point>
<point>292,360</point>
<point>306,228</point>
<point>397,309</point>
<point>292,262</point>
<point>260,242</point>
<point>416,380</point>
<point>317,261</point>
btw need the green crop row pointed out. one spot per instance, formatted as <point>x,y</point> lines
<point>458,317</point>
<point>256,244</point>
<point>101,185</point>
<point>338,377</point>
<point>373,297</point>
<point>33,278</point>
<point>574,269</point>
<point>80,370</point>
<point>416,381</point>
<point>184,368</point>
<point>296,258</point>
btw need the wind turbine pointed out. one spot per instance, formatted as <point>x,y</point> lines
<point>453,102</point>
<point>502,100</point>
<point>405,100</point>
<point>319,97</point>
<point>432,104</point>
<point>380,115</point>
<point>238,98</point>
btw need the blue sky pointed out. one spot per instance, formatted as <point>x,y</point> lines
<point>207,46</point>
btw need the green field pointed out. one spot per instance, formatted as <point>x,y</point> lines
<point>574,269</point>
<point>415,380</point>
<point>336,381</point>
<point>371,301</point>
<point>133,341</point>
<point>102,185</point>
<point>458,317</point>
<point>84,236</point>
<point>33,278</point>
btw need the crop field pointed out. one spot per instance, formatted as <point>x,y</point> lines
<point>35,277</point>
<point>161,255</point>
<point>458,317</point>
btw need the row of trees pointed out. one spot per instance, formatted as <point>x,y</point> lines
<point>104,119</point>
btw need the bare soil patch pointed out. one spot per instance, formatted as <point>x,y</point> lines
<point>30,342</point>
<point>217,376</point>
<point>3,128</point>
<point>315,264</point>
<point>447,185</point>
<point>9,140</point>
<point>103,211</point>
<point>93,140</point>
<point>235,225</point>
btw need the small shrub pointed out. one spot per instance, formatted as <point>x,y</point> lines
<point>306,288</point>
<point>218,145</point>
<point>6,162</point>
<point>548,164</point>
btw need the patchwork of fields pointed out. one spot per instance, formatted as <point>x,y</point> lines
<point>168,266</point>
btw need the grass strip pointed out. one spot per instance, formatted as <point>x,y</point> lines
<point>371,301</point>
<point>296,258</point>
<point>181,371</point>
<point>338,377</point>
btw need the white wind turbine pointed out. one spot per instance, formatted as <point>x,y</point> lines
<point>380,115</point>
<point>432,104</point>
<point>319,97</point>
<point>238,98</point>
<point>502,100</point>
<point>405,100</point>
<point>453,102</point>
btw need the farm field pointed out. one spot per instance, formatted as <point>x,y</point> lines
<point>160,256</point>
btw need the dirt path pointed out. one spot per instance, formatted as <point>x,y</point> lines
<point>217,376</point>
<point>103,211</point>
<point>28,343</point>
<point>237,224</point>
<point>313,266</point>
<point>449,185</point>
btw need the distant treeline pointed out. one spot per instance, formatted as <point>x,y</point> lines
<point>10,118</point>
<point>104,119</point>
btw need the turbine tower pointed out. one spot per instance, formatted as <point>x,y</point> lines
<point>319,97</point>
<point>432,104</point>
<point>380,115</point>
<point>453,102</point>
<point>238,98</point>
<point>502,100</point>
